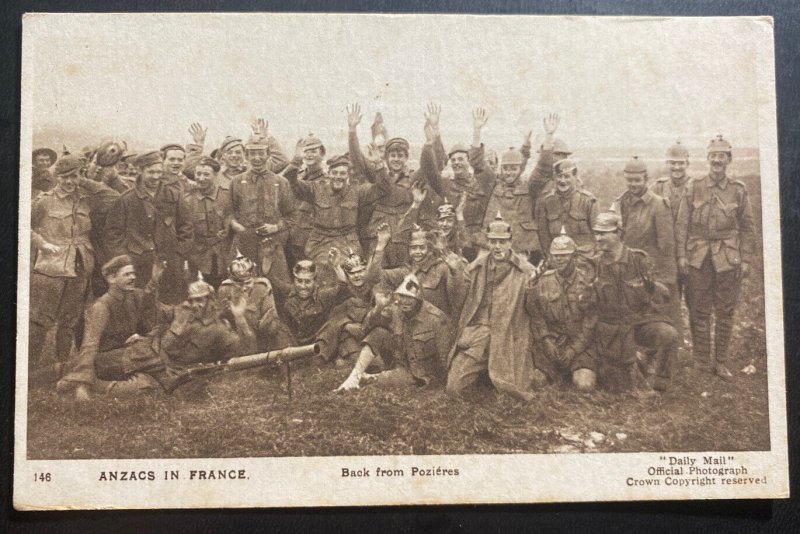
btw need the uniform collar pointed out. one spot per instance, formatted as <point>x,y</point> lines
<point>63,194</point>
<point>722,184</point>
<point>212,194</point>
<point>645,198</point>
<point>141,193</point>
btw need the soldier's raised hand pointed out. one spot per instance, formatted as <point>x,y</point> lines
<point>432,115</point>
<point>384,233</point>
<point>260,127</point>
<point>198,133</point>
<point>479,118</point>
<point>462,203</point>
<point>353,116</point>
<point>430,132</point>
<point>551,123</point>
<point>418,192</point>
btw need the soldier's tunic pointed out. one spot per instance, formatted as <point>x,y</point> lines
<point>226,175</point>
<point>514,202</point>
<point>575,211</point>
<point>628,316</point>
<point>715,234</point>
<point>305,317</point>
<point>562,310</point>
<point>412,349</point>
<point>258,198</point>
<point>303,218</point>
<point>647,221</point>
<point>335,338</point>
<point>494,328</point>
<point>671,190</point>
<point>153,228</point>
<point>211,215</point>
<point>260,312</point>
<point>59,281</point>
<point>540,180</point>
<point>42,181</point>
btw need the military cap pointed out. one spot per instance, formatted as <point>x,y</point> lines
<point>677,152</point>
<point>68,164</point>
<point>718,144</point>
<point>338,161</point>
<point>409,287</point>
<point>635,166</point>
<point>354,263</point>
<point>396,143</point>
<point>456,149</point>
<point>149,157</point>
<point>304,267</point>
<point>563,244</point>
<point>256,142</point>
<point>418,236</point>
<point>512,157</point>
<point>228,143</point>
<point>200,288</point>
<point>311,142</point>
<point>171,146</point>
<point>446,210</point>
<point>116,263</point>
<point>241,267</point>
<point>607,222</point>
<point>48,152</point>
<point>564,165</point>
<point>129,158</point>
<point>110,151</point>
<point>498,228</point>
<point>207,161</point>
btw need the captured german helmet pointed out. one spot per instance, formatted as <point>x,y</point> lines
<point>677,152</point>
<point>200,288</point>
<point>241,268</point>
<point>607,222</point>
<point>446,210</point>
<point>418,236</point>
<point>563,244</point>
<point>354,263</point>
<point>718,144</point>
<point>409,287</point>
<point>512,157</point>
<point>635,166</point>
<point>498,228</point>
<point>110,151</point>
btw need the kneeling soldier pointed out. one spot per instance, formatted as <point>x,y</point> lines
<point>561,307</point>
<point>412,343</point>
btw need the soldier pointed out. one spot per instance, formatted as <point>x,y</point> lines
<point>60,234</point>
<point>174,157</point>
<point>630,310</point>
<point>450,226</point>
<point>567,206</point>
<point>260,311</point>
<point>211,216</point>
<point>262,204</point>
<point>647,220</point>
<point>231,155</point>
<point>334,211</point>
<point>410,344</point>
<point>494,329</point>
<point>394,181</point>
<point>306,168</point>
<point>716,240</point>
<point>153,223</point>
<point>561,306</point>
<point>541,178</point>
<point>127,171</point>
<point>492,162</point>
<point>42,159</point>
<point>304,306</point>
<point>120,318</point>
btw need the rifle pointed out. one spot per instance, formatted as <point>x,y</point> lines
<point>282,356</point>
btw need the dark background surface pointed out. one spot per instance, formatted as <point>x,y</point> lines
<point>709,516</point>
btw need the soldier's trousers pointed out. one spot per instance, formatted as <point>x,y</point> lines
<point>707,292</point>
<point>616,345</point>
<point>55,301</point>
<point>470,360</point>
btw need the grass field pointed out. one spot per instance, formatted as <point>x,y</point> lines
<point>249,415</point>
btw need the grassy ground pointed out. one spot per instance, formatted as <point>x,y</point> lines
<point>248,414</point>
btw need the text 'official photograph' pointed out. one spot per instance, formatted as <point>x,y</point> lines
<point>424,243</point>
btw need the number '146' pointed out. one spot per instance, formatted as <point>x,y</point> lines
<point>42,477</point>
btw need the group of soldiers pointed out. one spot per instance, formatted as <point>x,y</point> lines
<point>469,265</point>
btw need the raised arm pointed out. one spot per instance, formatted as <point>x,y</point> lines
<point>357,158</point>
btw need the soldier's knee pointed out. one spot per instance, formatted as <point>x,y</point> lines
<point>584,379</point>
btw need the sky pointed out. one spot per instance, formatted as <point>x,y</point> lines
<point>635,83</point>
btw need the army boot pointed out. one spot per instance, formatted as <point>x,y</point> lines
<point>722,338</point>
<point>640,387</point>
<point>701,337</point>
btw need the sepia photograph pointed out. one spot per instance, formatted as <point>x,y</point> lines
<point>337,259</point>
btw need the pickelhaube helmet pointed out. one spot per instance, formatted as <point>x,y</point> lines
<point>563,244</point>
<point>718,144</point>
<point>200,288</point>
<point>354,263</point>
<point>607,221</point>
<point>512,157</point>
<point>304,267</point>
<point>565,165</point>
<point>446,210</point>
<point>635,166</point>
<point>110,151</point>
<point>498,228</point>
<point>409,286</point>
<point>418,236</point>
<point>677,152</point>
<point>241,268</point>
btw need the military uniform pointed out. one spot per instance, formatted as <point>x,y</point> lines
<point>715,235</point>
<point>59,280</point>
<point>575,212</point>
<point>261,314</point>
<point>303,218</point>
<point>562,318</point>
<point>647,222</point>
<point>305,317</point>
<point>673,192</point>
<point>211,215</point>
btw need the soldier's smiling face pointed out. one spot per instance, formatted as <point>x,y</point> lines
<point>565,181</point>
<point>719,161</point>
<point>339,177</point>
<point>42,161</point>
<point>406,303</point>
<point>418,251</point>
<point>396,160</point>
<point>257,157</point>
<point>460,163</point>
<point>204,176</point>
<point>125,278</point>
<point>560,262</point>
<point>446,225</point>
<point>312,157</point>
<point>677,168</point>
<point>637,183</point>
<point>304,284</point>
<point>234,156</point>
<point>151,176</point>
<point>173,160</point>
<point>198,304</point>
<point>510,172</point>
<point>69,182</point>
<point>500,248</point>
<point>607,241</point>
<point>356,278</point>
